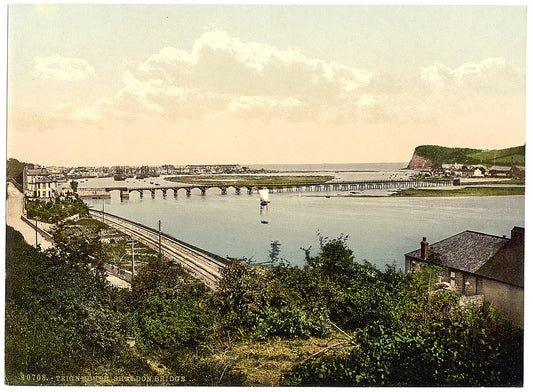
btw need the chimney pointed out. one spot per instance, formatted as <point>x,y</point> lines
<point>424,247</point>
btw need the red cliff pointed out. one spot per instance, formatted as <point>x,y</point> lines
<point>419,163</point>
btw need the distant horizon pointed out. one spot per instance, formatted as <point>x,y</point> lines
<point>120,83</point>
<point>214,164</point>
<point>248,163</point>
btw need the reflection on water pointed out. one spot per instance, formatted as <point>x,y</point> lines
<point>380,229</point>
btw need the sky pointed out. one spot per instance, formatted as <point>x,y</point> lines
<point>250,84</point>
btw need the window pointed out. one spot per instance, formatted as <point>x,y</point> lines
<point>452,279</point>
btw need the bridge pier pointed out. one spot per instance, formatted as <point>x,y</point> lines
<point>188,191</point>
<point>124,194</point>
<point>164,192</point>
<point>152,191</point>
<point>237,191</point>
<point>175,193</point>
<point>224,191</point>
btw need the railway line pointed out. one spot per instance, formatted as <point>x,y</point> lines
<point>205,266</point>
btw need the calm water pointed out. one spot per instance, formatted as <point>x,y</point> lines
<point>380,229</point>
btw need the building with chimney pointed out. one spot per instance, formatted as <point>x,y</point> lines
<point>478,264</point>
<point>38,184</point>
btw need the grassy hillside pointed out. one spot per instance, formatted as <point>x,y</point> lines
<point>513,156</point>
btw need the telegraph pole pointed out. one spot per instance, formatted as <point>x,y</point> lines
<point>103,213</point>
<point>159,238</point>
<point>132,257</point>
<point>36,239</point>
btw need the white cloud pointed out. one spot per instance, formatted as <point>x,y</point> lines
<point>61,68</point>
<point>222,75</point>
<point>219,63</point>
<point>489,74</point>
<point>261,103</point>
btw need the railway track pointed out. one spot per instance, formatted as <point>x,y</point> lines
<point>205,266</point>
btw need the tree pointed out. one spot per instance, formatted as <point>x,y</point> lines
<point>273,255</point>
<point>61,316</point>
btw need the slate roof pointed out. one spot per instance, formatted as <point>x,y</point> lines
<point>480,254</point>
<point>41,179</point>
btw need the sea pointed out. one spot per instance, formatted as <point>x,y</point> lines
<point>377,229</point>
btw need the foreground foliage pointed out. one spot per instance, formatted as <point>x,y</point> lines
<point>62,317</point>
<point>372,327</point>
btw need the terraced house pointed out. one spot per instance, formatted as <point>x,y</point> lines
<point>482,266</point>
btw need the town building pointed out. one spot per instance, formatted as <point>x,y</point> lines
<point>478,264</point>
<point>38,184</point>
<point>213,169</point>
<point>500,171</point>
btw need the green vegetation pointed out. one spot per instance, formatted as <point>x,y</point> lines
<point>247,180</point>
<point>14,171</point>
<point>467,191</point>
<point>512,181</point>
<point>62,318</point>
<point>514,156</point>
<point>332,322</point>
<point>56,210</point>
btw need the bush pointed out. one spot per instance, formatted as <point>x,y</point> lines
<point>56,210</point>
<point>474,347</point>
<point>269,301</point>
<point>61,315</point>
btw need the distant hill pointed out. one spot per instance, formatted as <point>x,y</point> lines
<point>428,156</point>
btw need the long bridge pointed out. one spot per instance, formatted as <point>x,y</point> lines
<point>224,187</point>
<point>204,265</point>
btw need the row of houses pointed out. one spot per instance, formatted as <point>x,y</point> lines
<point>63,174</point>
<point>475,171</point>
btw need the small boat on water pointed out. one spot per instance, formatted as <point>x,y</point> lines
<point>264,195</point>
<point>264,222</point>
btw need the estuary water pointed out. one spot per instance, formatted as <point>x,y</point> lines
<point>379,229</point>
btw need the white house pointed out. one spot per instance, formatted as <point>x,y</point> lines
<point>38,184</point>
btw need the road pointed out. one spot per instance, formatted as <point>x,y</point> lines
<point>14,210</point>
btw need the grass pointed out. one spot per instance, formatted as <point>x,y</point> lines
<point>116,247</point>
<point>232,180</point>
<point>263,362</point>
<point>511,181</point>
<point>467,191</point>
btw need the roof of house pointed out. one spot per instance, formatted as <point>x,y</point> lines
<point>501,168</point>
<point>480,254</point>
<point>42,179</point>
<point>37,172</point>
